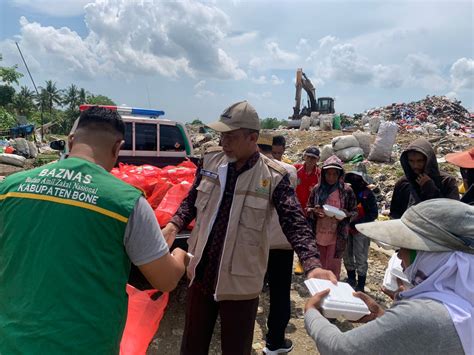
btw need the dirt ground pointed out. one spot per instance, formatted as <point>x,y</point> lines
<point>168,338</point>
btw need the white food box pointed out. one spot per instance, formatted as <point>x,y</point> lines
<point>394,270</point>
<point>332,211</point>
<point>339,302</point>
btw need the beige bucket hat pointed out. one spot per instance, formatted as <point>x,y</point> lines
<point>435,225</point>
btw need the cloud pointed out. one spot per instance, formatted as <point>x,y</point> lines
<point>302,45</point>
<point>388,76</point>
<point>127,37</point>
<point>462,74</point>
<point>347,65</point>
<point>335,60</point>
<point>201,91</point>
<point>278,54</point>
<point>276,80</point>
<point>327,41</point>
<point>261,80</point>
<point>200,85</point>
<point>242,38</point>
<point>49,48</point>
<point>53,8</point>
<point>421,65</point>
<point>273,57</point>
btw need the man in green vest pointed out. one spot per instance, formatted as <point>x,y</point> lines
<point>68,232</point>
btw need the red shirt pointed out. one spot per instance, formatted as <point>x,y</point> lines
<point>306,182</point>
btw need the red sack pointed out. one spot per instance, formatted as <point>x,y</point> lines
<point>170,203</point>
<point>138,181</point>
<point>144,179</point>
<point>188,164</point>
<point>143,319</point>
<point>9,150</point>
<point>185,171</point>
<point>148,170</point>
<point>159,192</point>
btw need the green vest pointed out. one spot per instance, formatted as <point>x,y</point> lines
<point>63,265</point>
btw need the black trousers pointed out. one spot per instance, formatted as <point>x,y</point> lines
<point>237,324</point>
<point>279,272</point>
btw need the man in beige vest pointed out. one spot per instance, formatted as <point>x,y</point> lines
<point>232,199</point>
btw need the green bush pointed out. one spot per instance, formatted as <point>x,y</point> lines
<point>272,122</point>
<point>7,120</point>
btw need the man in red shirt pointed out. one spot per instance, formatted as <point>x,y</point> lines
<point>308,175</point>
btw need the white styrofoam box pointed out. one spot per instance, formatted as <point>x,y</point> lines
<point>332,211</point>
<point>394,270</point>
<point>339,302</point>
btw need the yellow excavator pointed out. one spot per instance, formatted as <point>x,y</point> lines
<point>322,105</point>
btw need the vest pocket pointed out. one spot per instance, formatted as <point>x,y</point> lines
<point>253,213</point>
<point>204,193</point>
<point>248,260</point>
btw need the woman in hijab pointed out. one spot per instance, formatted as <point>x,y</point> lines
<point>435,241</point>
<point>331,234</point>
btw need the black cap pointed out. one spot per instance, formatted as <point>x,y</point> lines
<point>312,152</point>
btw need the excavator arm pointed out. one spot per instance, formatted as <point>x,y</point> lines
<point>311,91</point>
<point>299,86</point>
<point>302,82</point>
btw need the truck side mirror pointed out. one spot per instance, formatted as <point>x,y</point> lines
<point>58,145</point>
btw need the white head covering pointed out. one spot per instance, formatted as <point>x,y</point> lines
<point>447,277</point>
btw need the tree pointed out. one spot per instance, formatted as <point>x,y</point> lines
<point>197,122</point>
<point>23,101</point>
<point>9,75</point>
<point>100,100</point>
<point>71,97</point>
<point>50,96</point>
<point>7,120</point>
<point>83,94</point>
<point>7,93</point>
<point>272,122</point>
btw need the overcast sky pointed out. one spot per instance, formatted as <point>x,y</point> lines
<point>194,58</point>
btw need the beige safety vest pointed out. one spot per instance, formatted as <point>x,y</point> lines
<point>245,253</point>
<point>278,239</point>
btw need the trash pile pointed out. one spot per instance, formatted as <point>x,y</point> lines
<point>16,151</point>
<point>202,137</point>
<point>164,189</point>
<point>432,115</point>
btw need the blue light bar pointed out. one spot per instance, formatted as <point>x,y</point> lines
<point>146,112</point>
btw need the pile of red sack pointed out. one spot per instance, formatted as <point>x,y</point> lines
<point>164,189</point>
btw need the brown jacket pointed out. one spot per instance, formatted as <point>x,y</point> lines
<point>441,184</point>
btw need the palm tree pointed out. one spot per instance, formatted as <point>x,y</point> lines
<point>23,101</point>
<point>83,94</point>
<point>71,97</point>
<point>52,96</point>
